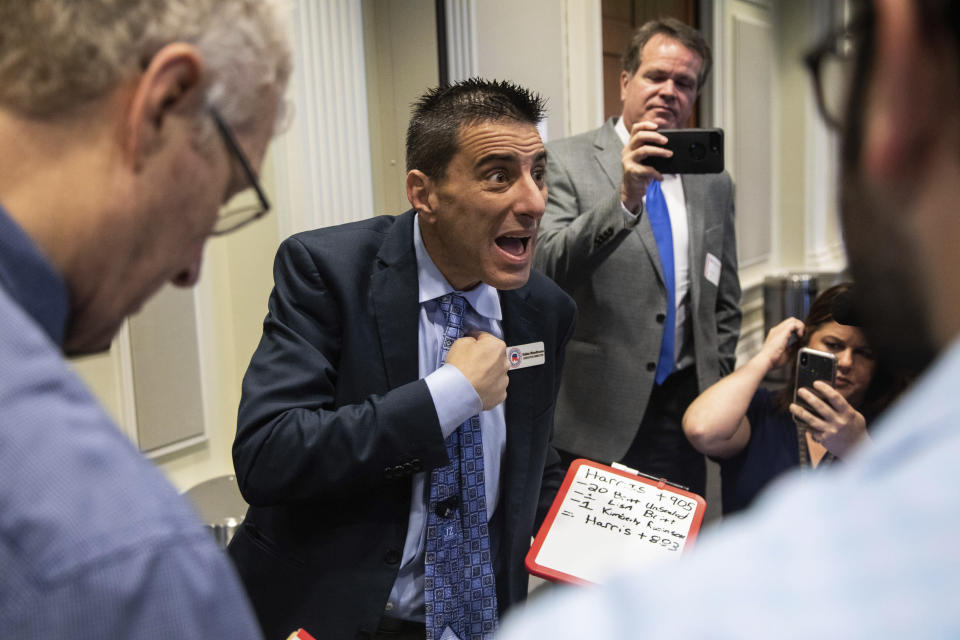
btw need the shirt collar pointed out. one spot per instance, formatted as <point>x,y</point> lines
<point>483,298</point>
<point>28,277</point>
<point>622,132</point>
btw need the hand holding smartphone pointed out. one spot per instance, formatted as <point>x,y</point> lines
<point>813,365</point>
<point>694,151</point>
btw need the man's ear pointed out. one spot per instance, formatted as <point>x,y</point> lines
<point>420,193</point>
<point>171,84</point>
<point>624,81</point>
<point>904,94</point>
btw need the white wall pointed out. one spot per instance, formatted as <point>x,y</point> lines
<point>526,48</point>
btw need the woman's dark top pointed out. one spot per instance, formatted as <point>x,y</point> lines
<point>771,450</point>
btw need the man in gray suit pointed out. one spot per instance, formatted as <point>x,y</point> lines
<point>615,233</point>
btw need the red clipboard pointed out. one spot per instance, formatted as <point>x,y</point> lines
<point>602,515</point>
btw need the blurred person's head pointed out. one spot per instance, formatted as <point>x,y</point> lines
<point>115,164</point>
<point>663,70</point>
<point>901,160</point>
<point>476,164</point>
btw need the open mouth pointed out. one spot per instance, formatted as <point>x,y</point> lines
<point>513,245</point>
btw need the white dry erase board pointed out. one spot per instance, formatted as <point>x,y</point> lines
<point>603,516</point>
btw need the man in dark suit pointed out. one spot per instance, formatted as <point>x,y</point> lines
<point>656,287</point>
<point>351,424</point>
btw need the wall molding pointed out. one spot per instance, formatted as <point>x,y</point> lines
<point>582,40</point>
<point>461,39</point>
<point>322,161</point>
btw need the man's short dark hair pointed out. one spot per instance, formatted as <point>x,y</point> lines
<point>433,136</point>
<point>675,30</point>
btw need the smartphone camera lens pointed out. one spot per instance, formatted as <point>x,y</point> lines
<point>698,151</point>
<point>715,141</point>
<point>803,359</point>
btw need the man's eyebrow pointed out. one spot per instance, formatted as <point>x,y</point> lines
<point>507,157</point>
<point>496,157</point>
<point>672,73</point>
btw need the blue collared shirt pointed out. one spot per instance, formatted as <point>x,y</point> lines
<point>30,280</point>
<point>94,542</point>
<point>863,549</point>
<point>455,401</point>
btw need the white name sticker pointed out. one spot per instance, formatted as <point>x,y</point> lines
<point>526,355</point>
<point>711,270</point>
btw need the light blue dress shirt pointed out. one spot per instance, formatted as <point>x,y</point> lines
<point>455,401</point>
<point>865,549</point>
<point>94,542</point>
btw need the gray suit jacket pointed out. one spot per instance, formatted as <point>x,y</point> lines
<point>610,265</point>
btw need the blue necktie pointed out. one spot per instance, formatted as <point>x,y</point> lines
<point>656,207</point>
<point>459,587</point>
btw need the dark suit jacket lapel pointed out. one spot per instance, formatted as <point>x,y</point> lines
<point>520,326</point>
<point>394,290</point>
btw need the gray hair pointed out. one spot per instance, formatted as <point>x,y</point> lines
<point>56,55</point>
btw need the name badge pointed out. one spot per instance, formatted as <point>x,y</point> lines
<point>711,270</point>
<point>526,355</point>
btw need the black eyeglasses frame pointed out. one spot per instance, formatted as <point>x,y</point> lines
<point>854,32</point>
<point>233,220</point>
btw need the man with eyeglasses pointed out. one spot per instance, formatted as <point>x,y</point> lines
<point>865,549</point>
<point>125,126</point>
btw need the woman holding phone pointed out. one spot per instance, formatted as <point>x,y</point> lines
<point>757,433</point>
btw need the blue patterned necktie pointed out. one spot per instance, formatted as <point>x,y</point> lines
<point>458,569</point>
<point>659,216</point>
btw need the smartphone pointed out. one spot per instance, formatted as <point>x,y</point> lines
<point>694,151</point>
<point>813,365</point>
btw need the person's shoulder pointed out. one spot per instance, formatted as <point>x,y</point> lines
<point>577,143</point>
<point>548,293</point>
<point>73,486</point>
<point>349,247</point>
<point>348,232</point>
<point>572,142</point>
<point>170,576</point>
<point>76,493</point>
